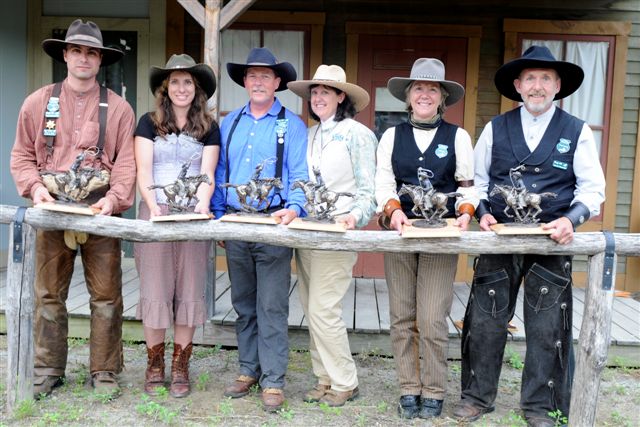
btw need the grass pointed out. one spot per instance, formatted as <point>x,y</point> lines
<point>155,411</point>
<point>513,358</point>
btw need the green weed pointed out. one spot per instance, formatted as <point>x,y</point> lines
<point>618,420</point>
<point>76,342</point>
<point>287,413</point>
<point>382,406</point>
<point>204,352</point>
<point>201,382</point>
<point>25,409</point>
<point>513,358</point>
<point>155,411</point>
<point>559,418</point>
<point>225,408</point>
<point>329,410</point>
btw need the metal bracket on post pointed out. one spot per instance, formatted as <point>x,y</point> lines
<point>18,247</point>
<point>609,257</point>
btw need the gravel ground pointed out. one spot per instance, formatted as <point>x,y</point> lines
<point>212,367</point>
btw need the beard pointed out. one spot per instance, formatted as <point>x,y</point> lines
<point>537,107</point>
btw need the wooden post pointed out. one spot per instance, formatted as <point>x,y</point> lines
<point>212,48</point>
<point>593,345</point>
<point>19,315</point>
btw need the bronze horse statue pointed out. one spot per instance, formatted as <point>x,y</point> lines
<point>519,201</point>
<point>182,191</point>
<point>256,190</point>
<point>430,204</point>
<point>320,201</point>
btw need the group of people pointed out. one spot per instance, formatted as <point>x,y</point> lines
<point>552,150</point>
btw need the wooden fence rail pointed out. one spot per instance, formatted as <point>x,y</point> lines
<point>596,325</point>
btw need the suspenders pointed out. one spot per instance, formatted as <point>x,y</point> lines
<point>279,146</point>
<point>53,112</point>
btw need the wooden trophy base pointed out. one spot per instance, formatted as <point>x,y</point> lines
<point>450,230</point>
<point>67,208</point>
<point>513,230</point>
<point>301,224</point>
<point>251,219</point>
<point>181,217</point>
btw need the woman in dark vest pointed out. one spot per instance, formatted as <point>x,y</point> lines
<point>421,284</point>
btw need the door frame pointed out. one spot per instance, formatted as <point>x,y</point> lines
<point>472,33</point>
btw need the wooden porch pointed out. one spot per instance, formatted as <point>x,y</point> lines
<point>366,313</point>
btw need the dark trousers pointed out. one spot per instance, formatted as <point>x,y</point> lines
<point>260,277</point>
<point>546,379</point>
<point>101,259</point>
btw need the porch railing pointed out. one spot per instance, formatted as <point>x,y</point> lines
<point>601,248</point>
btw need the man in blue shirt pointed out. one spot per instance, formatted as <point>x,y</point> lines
<point>260,273</point>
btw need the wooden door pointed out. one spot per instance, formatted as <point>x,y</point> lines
<point>381,57</point>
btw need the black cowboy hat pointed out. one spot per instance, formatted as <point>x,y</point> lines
<point>262,57</point>
<point>201,72</point>
<point>538,57</point>
<point>83,34</point>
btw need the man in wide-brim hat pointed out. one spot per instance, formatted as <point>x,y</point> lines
<point>261,140</point>
<point>551,151</point>
<point>58,123</point>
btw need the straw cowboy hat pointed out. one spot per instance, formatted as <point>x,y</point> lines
<point>538,57</point>
<point>426,70</point>
<point>262,57</point>
<point>335,77</point>
<point>83,34</point>
<point>201,72</point>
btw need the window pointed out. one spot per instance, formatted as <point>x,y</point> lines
<point>286,45</point>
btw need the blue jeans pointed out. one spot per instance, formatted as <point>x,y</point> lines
<point>260,276</point>
<point>548,365</point>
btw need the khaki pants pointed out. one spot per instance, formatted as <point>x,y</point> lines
<point>324,278</point>
<point>420,296</point>
<point>103,275</point>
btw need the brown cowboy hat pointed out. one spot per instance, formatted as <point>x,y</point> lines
<point>538,57</point>
<point>335,77</point>
<point>426,70</point>
<point>183,62</point>
<point>83,34</point>
<point>262,57</point>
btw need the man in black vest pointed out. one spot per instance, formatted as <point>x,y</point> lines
<point>552,151</point>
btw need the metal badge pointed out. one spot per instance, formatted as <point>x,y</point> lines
<point>53,108</point>
<point>50,128</point>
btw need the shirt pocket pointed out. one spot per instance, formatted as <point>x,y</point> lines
<point>88,135</point>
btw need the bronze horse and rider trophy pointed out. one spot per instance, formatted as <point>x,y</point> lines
<point>255,197</point>
<point>320,205</point>
<point>78,187</point>
<point>430,207</point>
<point>181,195</point>
<point>521,205</point>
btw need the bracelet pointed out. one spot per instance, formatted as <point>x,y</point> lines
<point>466,208</point>
<point>390,207</point>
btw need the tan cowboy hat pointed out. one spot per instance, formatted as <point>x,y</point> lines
<point>538,57</point>
<point>201,72</point>
<point>426,70</point>
<point>83,34</point>
<point>335,77</point>
<point>262,57</point>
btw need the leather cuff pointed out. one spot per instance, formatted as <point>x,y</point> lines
<point>483,208</point>
<point>390,207</point>
<point>467,183</point>
<point>578,214</point>
<point>466,208</point>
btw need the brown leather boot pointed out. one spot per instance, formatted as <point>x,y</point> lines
<point>180,371</point>
<point>154,376</point>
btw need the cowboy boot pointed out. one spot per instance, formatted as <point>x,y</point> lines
<point>180,370</point>
<point>154,375</point>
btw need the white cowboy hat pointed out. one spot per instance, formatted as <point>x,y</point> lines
<point>335,77</point>
<point>426,70</point>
